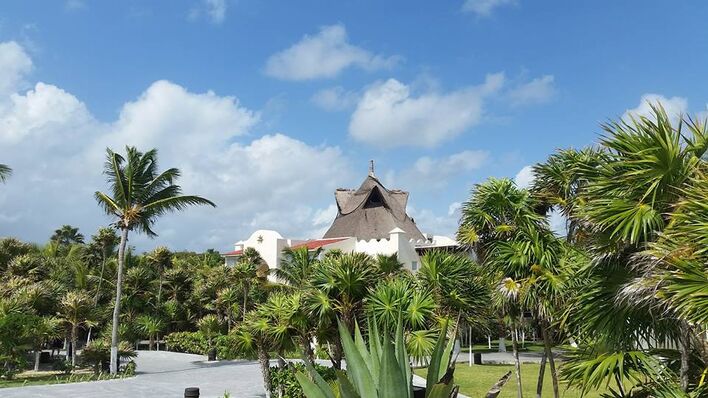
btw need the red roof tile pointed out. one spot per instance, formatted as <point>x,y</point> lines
<point>317,243</point>
<point>233,253</point>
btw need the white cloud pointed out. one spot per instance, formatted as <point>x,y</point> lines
<point>484,8</point>
<point>537,91</point>
<point>323,55</point>
<point>57,147</point>
<point>430,222</point>
<point>524,178</point>
<point>454,208</point>
<point>335,99</point>
<point>214,10</point>
<point>430,174</point>
<point>557,223</point>
<point>673,106</point>
<point>390,115</point>
<point>14,64</point>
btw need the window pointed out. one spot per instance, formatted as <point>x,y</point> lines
<point>414,266</point>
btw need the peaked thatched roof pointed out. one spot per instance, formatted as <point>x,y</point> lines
<point>371,212</point>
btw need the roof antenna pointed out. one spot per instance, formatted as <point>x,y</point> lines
<point>371,168</point>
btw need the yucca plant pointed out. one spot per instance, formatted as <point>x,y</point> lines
<point>382,369</point>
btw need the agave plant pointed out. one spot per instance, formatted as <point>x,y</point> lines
<point>382,369</point>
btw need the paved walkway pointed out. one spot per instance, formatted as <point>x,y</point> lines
<point>161,374</point>
<point>167,374</point>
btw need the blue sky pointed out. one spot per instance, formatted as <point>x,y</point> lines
<point>268,106</point>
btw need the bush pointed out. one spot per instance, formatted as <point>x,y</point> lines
<point>286,378</point>
<point>196,343</point>
<point>98,353</point>
<point>189,342</point>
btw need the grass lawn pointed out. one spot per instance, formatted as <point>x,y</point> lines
<point>528,347</point>
<point>476,380</point>
<point>31,378</point>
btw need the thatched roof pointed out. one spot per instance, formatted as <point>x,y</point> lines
<point>371,212</point>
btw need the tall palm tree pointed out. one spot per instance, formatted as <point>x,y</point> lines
<point>76,309</point>
<point>67,235</point>
<point>5,172</point>
<point>139,195</point>
<point>516,247</point>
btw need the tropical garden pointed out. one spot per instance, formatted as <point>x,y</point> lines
<point>618,302</point>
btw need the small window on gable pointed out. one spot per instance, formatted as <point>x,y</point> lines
<point>414,265</point>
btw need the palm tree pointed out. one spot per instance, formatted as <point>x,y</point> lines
<point>44,331</point>
<point>250,270</point>
<point>76,309</point>
<point>105,241</point>
<point>210,326</point>
<point>161,259</point>
<point>340,286</point>
<point>67,235</point>
<point>139,195</point>
<point>625,204</point>
<point>297,266</point>
<point>150,326</point>
<point>5,172</point>
<point>501,222</point>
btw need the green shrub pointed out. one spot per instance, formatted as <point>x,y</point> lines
<point>98,353</point>
<point>286,378</point>
<point>196,343</point>
<point>189,342</point>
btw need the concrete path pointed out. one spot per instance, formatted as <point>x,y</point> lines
<point>506,358</point>
<point>166,374</point>
<point>161,374</point>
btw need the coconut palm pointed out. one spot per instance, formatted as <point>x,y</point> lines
<point>5,172</point>
<point>139,194</point>
<point>76,310</point>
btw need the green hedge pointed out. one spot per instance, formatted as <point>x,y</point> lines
<point>196,343</point>
<point>286,377</point>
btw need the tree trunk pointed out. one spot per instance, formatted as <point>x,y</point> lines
<point>73,344</point>
<point>245,300</point>
<point>517,364</point>
<point>541,375</point>
<point>116,308</point>
<point>337,353</point>
<point>37,354</point>
<point>685,349</point>
<point>264,361</point>
<point>151,342</point>
<point>551,361</point>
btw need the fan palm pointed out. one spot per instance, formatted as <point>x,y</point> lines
<point>5,172</point>
<point>139,195</point>
<point>297,266</point>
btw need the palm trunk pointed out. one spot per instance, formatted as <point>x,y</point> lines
<point>307,347</point>
<point>685,349</point>
<point>37,354</point>
<point>541,375</point>
<point>73,344</point>
<point>152,342</point>
<point>337,354</point>
<point>245,300</point>
<point>264,361</point>
<point>116,308</point>
<point>551,361</point>
<point>98,290</point>
<point>517,364</point>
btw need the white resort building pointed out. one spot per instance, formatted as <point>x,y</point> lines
<point>371,219</point>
